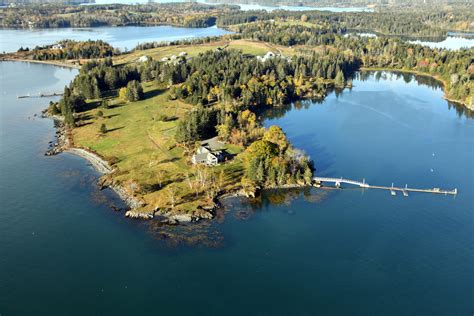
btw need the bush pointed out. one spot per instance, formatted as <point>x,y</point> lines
<point>53,109</point>
<point>103,129</point>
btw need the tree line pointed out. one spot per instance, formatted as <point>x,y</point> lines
<point>57,15</point>
<point>454,67</point>
<point>432,21</point>
<point>69,49</point>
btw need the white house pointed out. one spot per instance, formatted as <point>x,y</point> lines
<point>204,156</point>
<point>143,59</point>
<point>267,56</point>
<point>210,153</point>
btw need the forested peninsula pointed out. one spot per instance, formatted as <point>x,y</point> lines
<point>179,123</point>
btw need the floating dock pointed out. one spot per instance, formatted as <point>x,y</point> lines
<point>393,189</point>
<point>41,95</point>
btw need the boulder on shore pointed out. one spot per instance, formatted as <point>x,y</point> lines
<point>138,215</point>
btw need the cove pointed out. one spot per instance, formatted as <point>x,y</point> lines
<point>122,37</point>
<point>63,251</point>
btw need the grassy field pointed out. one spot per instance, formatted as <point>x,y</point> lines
<point>142,148</point>
<point>247,46</point>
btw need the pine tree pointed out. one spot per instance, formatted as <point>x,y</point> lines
<point>339,80</point>
<point>69,118</point>
<point>308,175</point>
<point>260,173</point>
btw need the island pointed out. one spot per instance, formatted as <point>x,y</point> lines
<point>176,125</point>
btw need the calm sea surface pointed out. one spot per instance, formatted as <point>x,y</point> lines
<point>124,37</point>
<point>450,42</point>
<point>63,251</point>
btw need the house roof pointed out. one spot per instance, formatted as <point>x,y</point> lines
<point>213,144</point>
<point>200,157</point>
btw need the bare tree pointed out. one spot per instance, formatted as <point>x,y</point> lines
<point>160,174</point>
<point>202,175</point>
<point>172,195</point>
<point>193,183</point>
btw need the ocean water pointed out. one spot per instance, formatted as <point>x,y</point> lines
<point>63,251</point>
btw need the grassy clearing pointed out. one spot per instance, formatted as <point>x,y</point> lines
<point>247,46</point>
<point>147,162</point>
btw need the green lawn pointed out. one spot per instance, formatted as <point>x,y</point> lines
<point>247,47</point>
<point>144,153</point>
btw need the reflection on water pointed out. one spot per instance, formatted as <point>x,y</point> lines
<point>427,81</point>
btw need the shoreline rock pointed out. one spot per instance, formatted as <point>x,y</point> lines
<point>138,215</point>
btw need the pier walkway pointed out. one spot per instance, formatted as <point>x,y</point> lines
<point>338,181</point>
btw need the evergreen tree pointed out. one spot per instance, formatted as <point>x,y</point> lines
<point>339,81</point>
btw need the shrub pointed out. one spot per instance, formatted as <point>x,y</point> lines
<point>103,129</point>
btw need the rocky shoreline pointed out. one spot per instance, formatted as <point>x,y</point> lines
<point>64,143</point>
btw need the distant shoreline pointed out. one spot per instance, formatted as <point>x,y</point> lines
<point>46,62</point>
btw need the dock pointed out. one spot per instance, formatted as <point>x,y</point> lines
<point>41,95</point>
<point>393,189</point>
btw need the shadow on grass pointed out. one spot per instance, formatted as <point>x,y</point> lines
<point>170,160</point>
<point>190,197</point>
<point>85,117</point>
<point>153,93</point>
<point>89,106</point>
<point>114,129</point>
<point>82,123</point>
<point>149,188</point>
<point>118,105</point>
<point>111,115</point>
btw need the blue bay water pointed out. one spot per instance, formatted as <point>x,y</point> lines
<point>63,251</point>
<point>123,37</point>
<point>450,42</point>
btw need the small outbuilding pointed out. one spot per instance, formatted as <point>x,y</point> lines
<point>267,56</point>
